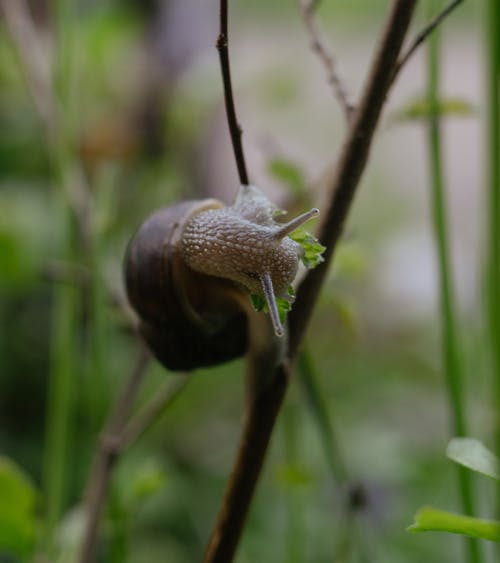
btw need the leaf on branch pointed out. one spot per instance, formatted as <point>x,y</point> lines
<point>313,249</point>
<point>420,108</point>
<point>289,174</point>
<point>284,305</point>
<point>429,519</point>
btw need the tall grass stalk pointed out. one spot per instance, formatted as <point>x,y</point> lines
<point>295,517</point>
<point>348,543</point>
<point>452,361</point>
<point>321,417</point>
<point>65,297</point>
<point>97,383</point>
<point>492,144</point>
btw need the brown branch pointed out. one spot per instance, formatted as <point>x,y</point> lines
<point>234,127</point>
<point>107,453</point>
<point>352,161</point>
<point>422,36</point>
<point>264,410</point>
<point>308,8</point>
<point>254,444</point>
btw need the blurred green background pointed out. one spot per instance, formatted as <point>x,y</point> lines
<point>148,128</point>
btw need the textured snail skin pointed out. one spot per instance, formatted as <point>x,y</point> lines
<point>220,243</point>
<point>242,243</point>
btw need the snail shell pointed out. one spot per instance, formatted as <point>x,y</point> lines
<point>188,319</point>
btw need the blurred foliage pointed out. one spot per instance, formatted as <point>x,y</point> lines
<point>420,109</point>
<point>143,142</point>
<point>17,510</point>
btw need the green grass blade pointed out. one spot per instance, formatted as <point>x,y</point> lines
<point>66,298</point>
<point>295,522</point>
<point>492,133</point>
<point>60,398</point>
<point>321,417</point>
<point>450,340</point>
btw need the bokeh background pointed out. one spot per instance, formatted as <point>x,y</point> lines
<point>150,130</point>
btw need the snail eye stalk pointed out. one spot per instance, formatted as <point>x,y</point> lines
<point>287,228</point>
<point>268,291</point>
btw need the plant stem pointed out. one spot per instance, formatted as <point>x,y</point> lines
<point>234,127</point>
<point>424,34</point>
<point>295,520</point>
<point>110,445</point>
<point>352,161</point>
<point>452,361</point>
<point>319,412</point>
<point>259,423</point>
<point>308,9</point>
<point>96,382</point>
<point>60,393</point>
<point>492,130</point>
<point>264,409</point>
<point>62,376</point>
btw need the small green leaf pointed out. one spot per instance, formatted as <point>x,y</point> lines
<point>429,519</point>
<point>17,509</point>
<point>350,261</point>
<point>149,479</point>
<point>258,302</point>
<point>289,174</point>
<point>293,475</point>
<point>277,213</point>
<point>284,305</point>
<point>420,108</point>
<point>313,249</point>
<point>474,455</point>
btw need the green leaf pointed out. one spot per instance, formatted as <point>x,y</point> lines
<point>474,455</point>
<point>313,249</point>
<point>258,302</point>
<point>289,174</point>
<point>350,261</point>
<point>420,108</point>
<point>284,305</point>
<point>149,479</point>
<point>429,519</point>
<point>293,475</point>
<point>17,509</point>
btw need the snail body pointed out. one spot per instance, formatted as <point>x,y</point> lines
<point>191,266</point>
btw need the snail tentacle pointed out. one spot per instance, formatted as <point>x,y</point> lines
<point>268,291</point>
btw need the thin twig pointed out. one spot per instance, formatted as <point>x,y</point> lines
<point>58,271</point>
<point>308,9</point>
<point>234,127</point>
<point>352,162</point>
<point>254,443</point>
<point>143,420</point>
<point>109,447</point>
<point>422,36</point>
<point>35,65</point>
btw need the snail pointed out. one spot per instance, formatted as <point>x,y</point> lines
<point>189,271</point>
